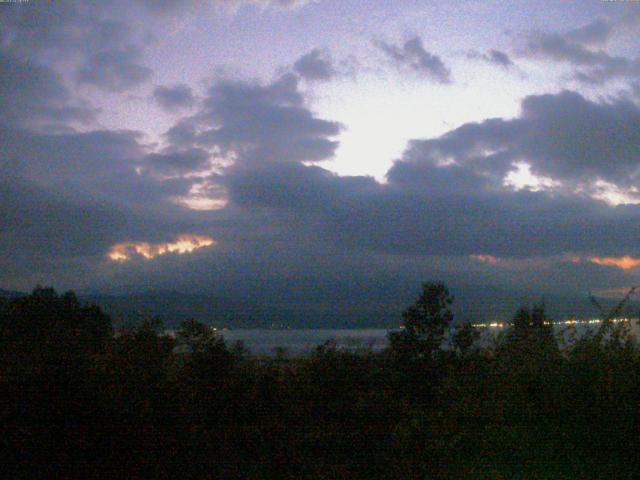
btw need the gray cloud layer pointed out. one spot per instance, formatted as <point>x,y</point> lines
<point>444,198</point>
<point>290,226</point>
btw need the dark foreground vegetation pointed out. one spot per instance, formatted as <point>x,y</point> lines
<point>78,402</point>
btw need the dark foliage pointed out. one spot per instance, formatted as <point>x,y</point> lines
<point>77,401</point>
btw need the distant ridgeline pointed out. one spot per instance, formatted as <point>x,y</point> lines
<point>472,304</point>
<point>11,294</point>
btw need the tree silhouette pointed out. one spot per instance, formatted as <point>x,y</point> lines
<point>59,322</point>
<point>78,402</point>
<point>192,328</point>
<point>531,326</point>
<point>425,321</point>
<point>464,338</point>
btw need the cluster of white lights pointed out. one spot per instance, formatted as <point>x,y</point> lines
<point>562,322</point>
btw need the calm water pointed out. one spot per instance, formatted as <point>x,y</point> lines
<point>301,341</point>
<point>264,341</point>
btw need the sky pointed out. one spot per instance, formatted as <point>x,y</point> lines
<point>318,152</point>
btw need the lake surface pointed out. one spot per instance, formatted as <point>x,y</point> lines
<point>298,341</point>
<point>264,341</point>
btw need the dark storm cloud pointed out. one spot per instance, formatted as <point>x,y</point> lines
<point>114,70</point>
<point>412,55</point>
<point>315,65</point>
<point>260,124</point>
<point>174,98</point>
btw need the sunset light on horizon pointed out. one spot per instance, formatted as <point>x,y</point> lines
<point>123,252</point>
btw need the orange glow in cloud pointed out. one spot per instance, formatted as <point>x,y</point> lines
<point>572,258</point>
<point>485,259</point>
<point>526,263</point>
<point>123,252</point>
<point>625,263</point>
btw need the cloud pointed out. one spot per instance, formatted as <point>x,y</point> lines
<point>625,263</point>
<point>286,230</point>
<point>256,124</point>
<point>71,196</point>
<point>584,48</point>
<point>61,28</point>
<point>103,48</point>
<point>182,133</point>
<point>563,136</point>
<point>31,93</point>
<point>176,162</point>
<point>39,224</point>
<point>358,215</point>
<point>594,34</point>
<point>447,195</point>
<point>114,70</point>
<point>315,65</point>
<point>71,158</point>
<point>174,98</point>
<point>299,228</point>
<point>500,58</point>
<point>123,252</point>
<point>497,57</point>
<point>413,56</point>
<point>45,40</point>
